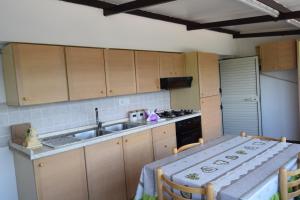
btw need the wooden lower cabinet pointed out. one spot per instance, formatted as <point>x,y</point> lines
<point>105,170</point>
<point>211,117</point>
<point>138,151</point>
<point>164,140</point>
<point>61,176</point>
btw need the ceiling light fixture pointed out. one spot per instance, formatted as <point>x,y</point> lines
<point>294,22</point>
<point>262,7</point>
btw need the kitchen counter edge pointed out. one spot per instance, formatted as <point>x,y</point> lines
<point>47,151</point>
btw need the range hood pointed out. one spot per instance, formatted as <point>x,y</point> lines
<point>176,82</point>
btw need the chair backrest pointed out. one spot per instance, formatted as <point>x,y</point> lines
<point>282,139</point>
<point>188,146</point>
<point>166,187</point>
<point>285,184</point>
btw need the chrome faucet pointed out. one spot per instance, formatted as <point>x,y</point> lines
<point>99,124</point>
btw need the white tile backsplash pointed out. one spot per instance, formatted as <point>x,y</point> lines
<point>60,116</point>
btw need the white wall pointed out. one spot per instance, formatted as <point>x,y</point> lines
<point>8,187</point>
<point>279,102</point>
<point>57,22</point>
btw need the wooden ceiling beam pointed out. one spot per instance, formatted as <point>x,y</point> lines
<point>105,5</point>
<point>248,20</point>
<point>133,5</point>
<point>267,34</point>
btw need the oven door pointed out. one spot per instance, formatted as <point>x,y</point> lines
<point>188,137</point>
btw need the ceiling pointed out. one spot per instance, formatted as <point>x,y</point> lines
<point>205,11</point>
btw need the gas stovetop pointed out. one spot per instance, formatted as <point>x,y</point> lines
<point>174,113</point>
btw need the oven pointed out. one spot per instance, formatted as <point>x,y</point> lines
<point>188,131</point>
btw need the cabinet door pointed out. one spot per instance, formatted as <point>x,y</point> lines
<point>147,71</point>
<point>86,75</point>
<point>179,64</point>
<point>164,141</point>
<point>211,117</point>
<point>105,170</point>
<point>166,65</point>
<point>41,73</point>
<point>120,72</point>
<point>269,57</point>
<point>287,55</point>
<point>209,77</point>
<point>138,151</point>
<point>61,176</point>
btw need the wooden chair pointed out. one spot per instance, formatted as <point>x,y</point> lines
<point>282,139</point>
<point>285,184</point>
<point>164,192</point>
<point>188,146</point>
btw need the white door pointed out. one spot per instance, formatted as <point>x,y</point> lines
<point>240,95</point>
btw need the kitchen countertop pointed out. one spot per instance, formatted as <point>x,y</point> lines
<point>48,151</point>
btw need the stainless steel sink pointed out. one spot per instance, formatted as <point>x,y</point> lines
<point>90,134</point>
<point>70,138</point>
<point>121,126</point>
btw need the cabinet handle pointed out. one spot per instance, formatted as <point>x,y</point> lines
<point>118,142</point>
<point>164,132</point>
<point>110,91</point>
<point>101,92</point>
<point>126,140</point>
<point>41,165</point>
<point>24,99</point>
<point>166,146</point>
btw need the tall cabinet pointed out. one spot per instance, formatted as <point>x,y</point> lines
<point>204,95</point>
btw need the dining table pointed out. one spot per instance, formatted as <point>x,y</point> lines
<point>240,168</point>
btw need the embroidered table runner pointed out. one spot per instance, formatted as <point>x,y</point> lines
<point>221,162</point>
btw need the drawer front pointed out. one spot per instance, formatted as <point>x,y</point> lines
<point>164,132</point>
<point>164,148</point>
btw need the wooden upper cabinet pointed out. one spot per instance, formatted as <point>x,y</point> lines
<point>34,74</point>
<point>105,170</point>
<point>62,176</point>
<point>268,56</point>
<point>172,65</point>
<point>211,117</point>
<point>120,72</point>
<point>209,77</point>
<point>287,52</point>
<point>147,71</point>
<point>166,65</point>
<point>179,64</point>
<point>138,151</point>
<point>86,74</point>
<point>279,55</point>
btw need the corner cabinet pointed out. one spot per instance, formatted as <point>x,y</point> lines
<point>138,151</point>
<point>34,74</point>
<point>147,71</point>
<point>86,75</point>
<point>120,72</point>
<point>172,65</point>
<point>105,170</point>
